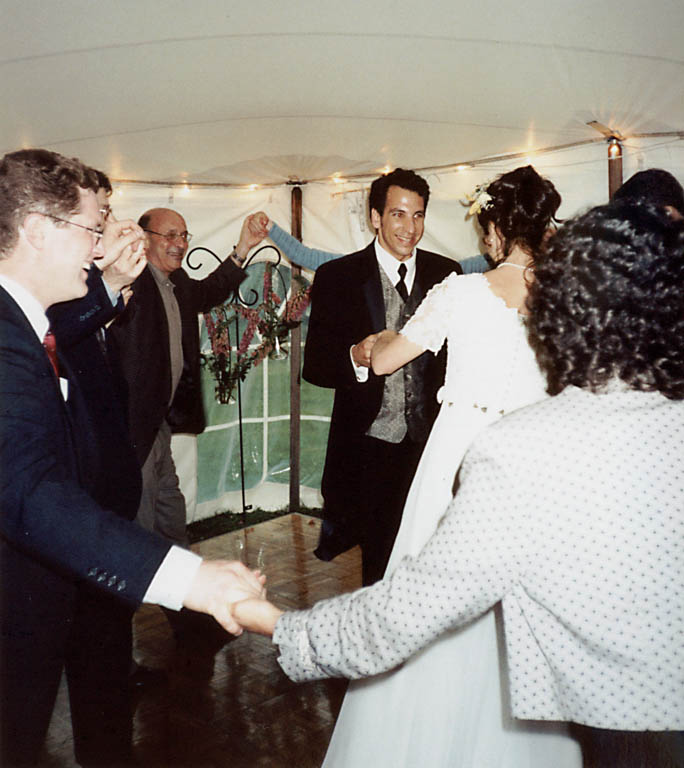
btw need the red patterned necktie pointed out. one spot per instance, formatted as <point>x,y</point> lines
<point>50,346</point>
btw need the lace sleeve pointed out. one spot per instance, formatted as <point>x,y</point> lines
<point>429,324</point>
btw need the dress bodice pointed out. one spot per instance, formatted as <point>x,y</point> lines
<point>490,365</point>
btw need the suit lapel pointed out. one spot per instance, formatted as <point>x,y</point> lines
<point>371,288</point>
<point>421,282</point>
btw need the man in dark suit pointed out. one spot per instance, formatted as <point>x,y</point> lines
<point>101,693</point>
<point>157,343</point>
<point>379,424</point>
<point>54,538</point>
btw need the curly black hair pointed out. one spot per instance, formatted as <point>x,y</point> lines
<point>522,208</point>
<point>607,301</point>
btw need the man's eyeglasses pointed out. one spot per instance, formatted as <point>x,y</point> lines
<point>106,211</point>
<point>187,236</point>
<point>95,232</point>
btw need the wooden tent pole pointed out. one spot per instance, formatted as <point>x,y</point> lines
<point>295,368</point>
<point>614,166</point>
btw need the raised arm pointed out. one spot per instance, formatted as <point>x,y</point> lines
<point>391,351</point>
<point>309,258</point>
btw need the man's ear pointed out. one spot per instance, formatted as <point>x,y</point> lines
<point>33,229</point>
<point>376,219</point>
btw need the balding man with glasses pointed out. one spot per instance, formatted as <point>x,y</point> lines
<point>157,339</point>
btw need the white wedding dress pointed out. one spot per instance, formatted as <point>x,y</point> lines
<point>447,706</point>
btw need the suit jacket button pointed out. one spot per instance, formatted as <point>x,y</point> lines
<point>101,576</point>
<point>121,585</point>
<point>92,572</point>
<point>112,581</point>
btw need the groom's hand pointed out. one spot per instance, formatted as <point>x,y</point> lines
<point>220,583</point>
<point>361,352</point>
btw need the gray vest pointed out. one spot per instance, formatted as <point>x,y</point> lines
<point>402,389</point>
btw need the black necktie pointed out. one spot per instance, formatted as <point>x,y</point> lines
<point>401,285</point>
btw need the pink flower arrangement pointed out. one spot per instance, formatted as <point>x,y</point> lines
<point>228,364</point>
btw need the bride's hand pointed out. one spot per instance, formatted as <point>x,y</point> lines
<point>220,583</point>
<point>256,615</point>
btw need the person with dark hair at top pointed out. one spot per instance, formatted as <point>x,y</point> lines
<point>656,186</point>
<point>56,541</point>
<point>491,370</point>
<point>379,424</point>
<point>568,513</point>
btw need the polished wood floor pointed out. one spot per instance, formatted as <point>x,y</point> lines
<point>235,707</point>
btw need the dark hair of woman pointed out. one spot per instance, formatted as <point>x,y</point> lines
<point>607,301</point>
<point>522,207</point>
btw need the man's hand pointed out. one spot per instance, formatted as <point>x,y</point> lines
<point>220,583</point>
<point>256,615</point>
<point>361,352</point>
<point>255,228</point>
<point>124,259</point>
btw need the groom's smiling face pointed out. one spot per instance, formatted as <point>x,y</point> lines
<point>401,224</point>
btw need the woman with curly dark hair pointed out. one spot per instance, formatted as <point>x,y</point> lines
<point>607,306</point>
<point>444,707</point>
<point>569,513</point>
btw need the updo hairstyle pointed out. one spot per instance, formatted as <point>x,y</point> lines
<point>522,208</point>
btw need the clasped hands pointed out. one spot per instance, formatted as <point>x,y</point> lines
<point>234,595</point>
<point>124,258</point>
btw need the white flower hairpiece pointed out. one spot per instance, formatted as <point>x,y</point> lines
<point>478,200</point>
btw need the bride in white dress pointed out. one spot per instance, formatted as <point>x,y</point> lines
<point>447,706</point>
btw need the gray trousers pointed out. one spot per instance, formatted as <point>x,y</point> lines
<point>162,505</point>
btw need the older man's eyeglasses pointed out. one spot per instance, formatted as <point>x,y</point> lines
<point>96,232</point>
<point>187,236</point>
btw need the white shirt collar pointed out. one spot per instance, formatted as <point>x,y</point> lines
<point>28,304</point>
<point>390,265</point>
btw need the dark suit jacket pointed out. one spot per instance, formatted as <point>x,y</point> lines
<point>346,306</point>
<point>52,534</point>
<point>109,466</point>
<point>140,336</point>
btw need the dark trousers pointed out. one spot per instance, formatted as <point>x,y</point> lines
<point>97,667</point>
<point>84,634</point>
<point>603,748</point>
<point>386,473</point>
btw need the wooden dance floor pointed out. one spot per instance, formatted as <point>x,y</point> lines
<point>235,708</point>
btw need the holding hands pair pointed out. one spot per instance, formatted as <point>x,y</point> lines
<point>124,244</point>
<point>234,595</point>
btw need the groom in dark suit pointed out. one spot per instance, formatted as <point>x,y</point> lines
<point>379,424</point>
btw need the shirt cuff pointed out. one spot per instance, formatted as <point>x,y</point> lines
<point>171,583</point>
<point>292,639</point>
<point>361,371</point>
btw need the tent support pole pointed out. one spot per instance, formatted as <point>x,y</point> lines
<point>614,166</point>
<point>295,368</point>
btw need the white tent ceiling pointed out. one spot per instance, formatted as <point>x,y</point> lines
<point>260,92</point>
